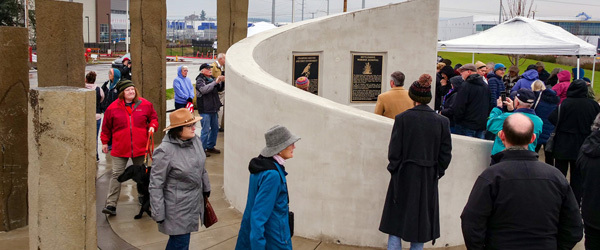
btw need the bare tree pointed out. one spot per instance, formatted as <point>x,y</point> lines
<point>514,8</point>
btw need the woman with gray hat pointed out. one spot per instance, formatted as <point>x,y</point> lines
<point>265,224</point>
<point>178,180</point>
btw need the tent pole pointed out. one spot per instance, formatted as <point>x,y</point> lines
<point>593,70</point>
<point>577,67</point>
<point>473,58</point>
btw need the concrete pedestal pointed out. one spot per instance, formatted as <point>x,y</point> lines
<point>232,22</point>
<point>14,84</point>
<point>148,48</point>
<point>62,168</point>
<point>61,60</point>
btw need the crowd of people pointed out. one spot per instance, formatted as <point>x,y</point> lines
<point>522,114</point>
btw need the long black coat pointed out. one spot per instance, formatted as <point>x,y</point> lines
<point>577,113</point>
<point>589,163</point>
<point>419,153</point>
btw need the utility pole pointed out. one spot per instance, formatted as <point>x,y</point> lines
<point>273,13</point>
<point>500,13</point>
<point>293,7</point>
<point>127,29</point>
<point>26,15</point>
<point>328,7</point>
<point>345,5</point>
<point>363,6</point>
<point>302,10</point>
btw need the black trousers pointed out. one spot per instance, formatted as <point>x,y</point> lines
<point>576,182</point>
<point>592,238</point>
<point>549,157</point>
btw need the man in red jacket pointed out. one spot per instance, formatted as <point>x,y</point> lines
<point>127,122</point>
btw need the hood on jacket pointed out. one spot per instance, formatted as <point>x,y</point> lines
<point>456,82</point>
<point>549,96</point>
<point>116,78</point>
<point>179,72</point>
<point>448,71</point>
<point>581,73</point>
<point>531,75</point>
<point>578,89</point>
<point>261,163</point>
<point>177,141</point>
<point>591,145</point>
<point>564,76</point>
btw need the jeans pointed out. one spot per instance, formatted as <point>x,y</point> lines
<point>180,105</point>
<point>394,243</point>
<point>178,242</point>
<point>576,181</point>
<point>114,186</point>
<point>469,132</point>
<point>210,130</point>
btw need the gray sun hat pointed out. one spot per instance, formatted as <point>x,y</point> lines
<point>278,138</point>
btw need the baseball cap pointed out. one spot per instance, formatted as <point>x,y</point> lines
<point>205,66</point>
<point>526,95</point>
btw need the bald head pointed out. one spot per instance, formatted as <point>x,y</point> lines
<point>517,130</point>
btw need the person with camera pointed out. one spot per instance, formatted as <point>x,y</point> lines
<point>208,102</point>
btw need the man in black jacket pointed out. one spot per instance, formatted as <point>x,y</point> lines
<point>589,163</point>
<point>520,202</point>
<point>207,90</point>
<point>472,104</point>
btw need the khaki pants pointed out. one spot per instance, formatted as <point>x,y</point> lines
<point>118,167</point>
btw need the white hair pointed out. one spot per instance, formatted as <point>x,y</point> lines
<point>221,56</point>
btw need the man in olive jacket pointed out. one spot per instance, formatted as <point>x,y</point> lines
<point>419,153</point>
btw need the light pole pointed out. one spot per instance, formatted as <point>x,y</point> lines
<point>88,29</point>
<point>109,32</point>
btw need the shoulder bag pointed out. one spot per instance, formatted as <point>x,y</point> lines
<point>549,147</point>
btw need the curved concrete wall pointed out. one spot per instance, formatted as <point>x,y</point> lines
<point>338,178</point>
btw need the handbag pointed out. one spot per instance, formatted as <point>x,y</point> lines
<point>549,147</point>
<point>210,217</point>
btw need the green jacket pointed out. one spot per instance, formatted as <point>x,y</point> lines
<point>496,121</point>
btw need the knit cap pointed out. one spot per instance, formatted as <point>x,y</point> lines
<point>123,84</point>
<point>420,90</point>
<point>302,82</point>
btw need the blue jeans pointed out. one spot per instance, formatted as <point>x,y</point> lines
<point>210,130</point>
<point>394,243</point>
<point>179,105</point>
<point>460,130</point>
<point>178,242</point>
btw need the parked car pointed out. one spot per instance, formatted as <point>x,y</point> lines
<point>119,61</point>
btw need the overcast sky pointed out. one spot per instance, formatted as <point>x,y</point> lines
<point>448,8</point>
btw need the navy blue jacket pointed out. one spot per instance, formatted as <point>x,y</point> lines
<point>548,102</point>
<point>472,104</point>
<point>496,86</point>
<point>265,223</point>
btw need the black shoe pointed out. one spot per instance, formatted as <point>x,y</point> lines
<point>207,154</point>
<point>221,130</point>
<point>213,150</point>
<point>110,210</point>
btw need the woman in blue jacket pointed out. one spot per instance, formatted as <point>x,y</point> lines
<point>265,224</point>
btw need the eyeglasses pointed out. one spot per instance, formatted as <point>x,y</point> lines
<point>190,125</point>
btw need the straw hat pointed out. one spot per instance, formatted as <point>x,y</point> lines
<point>181,117</point>
<point>278,138</point>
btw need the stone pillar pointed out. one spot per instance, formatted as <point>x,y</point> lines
<point>14,84</point>
<point>148,48</point>
<point>232,22</point>
<point>62,168</point>
<point>61,60</point>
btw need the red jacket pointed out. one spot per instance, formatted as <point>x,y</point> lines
<point>127,140</point>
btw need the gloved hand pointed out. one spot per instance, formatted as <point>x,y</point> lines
<point>190,100</point>
<point>207,194</point>
<point>160,222</point>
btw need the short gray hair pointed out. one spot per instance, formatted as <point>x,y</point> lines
<point>398,78</point>
<point>221,56</point>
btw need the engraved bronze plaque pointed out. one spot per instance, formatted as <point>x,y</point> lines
<point>367,77</point>
<point>308,66</point>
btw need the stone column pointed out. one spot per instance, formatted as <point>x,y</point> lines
<point>14,84</point>
<point>232,22</point>
<point>61,60</point>
<point>148,54</point>
<point>62,168</point>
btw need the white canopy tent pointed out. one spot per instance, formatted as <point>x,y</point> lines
<point>522,35</point>
<point>259,27</point>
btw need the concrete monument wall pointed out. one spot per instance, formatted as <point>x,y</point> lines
<point>232,19</point>
<point>62,168</point>
<point>61,60</point>
<point>338,177</point>
<point>148,54</point>
<point>14,85</point>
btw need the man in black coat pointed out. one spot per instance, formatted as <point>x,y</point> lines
<point>472,104</point>
<point>419,153</point>
<point>589,164</point>
<point>520,202</point>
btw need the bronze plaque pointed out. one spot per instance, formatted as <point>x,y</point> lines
<point>367,77</point>
<point>308,66</point>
